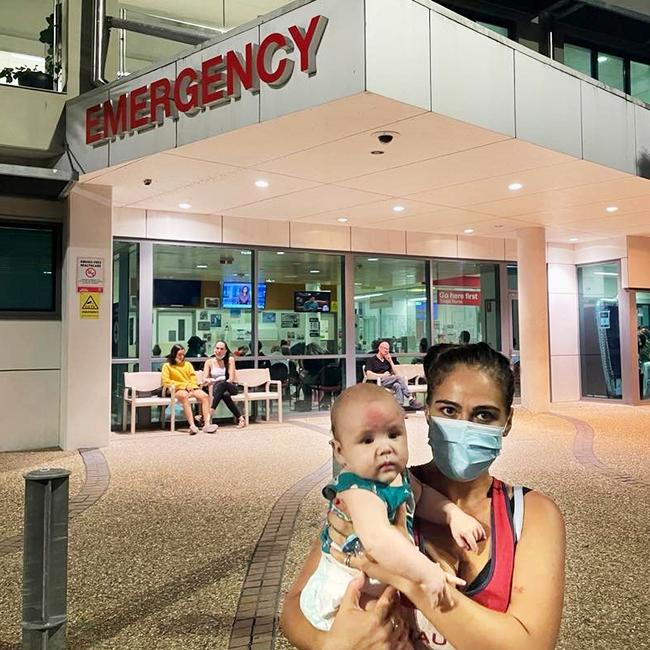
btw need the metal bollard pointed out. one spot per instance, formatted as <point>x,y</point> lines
<point>45,559</point>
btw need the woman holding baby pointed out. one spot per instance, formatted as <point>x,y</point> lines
<point>496,552</point>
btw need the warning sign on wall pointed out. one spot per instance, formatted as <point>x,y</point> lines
<point>89,304</point>
<point>90,274</point>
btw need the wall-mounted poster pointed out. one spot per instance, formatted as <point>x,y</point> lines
<point>289,320</point>
<point>203,325</point>
<point>215,320</point>
<point>211,303</point>
<point>268,317</point>
<point>203,315</point>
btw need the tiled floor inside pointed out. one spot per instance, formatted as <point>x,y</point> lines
<point>195,534</point>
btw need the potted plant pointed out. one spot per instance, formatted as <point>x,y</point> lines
<point>32,77</point>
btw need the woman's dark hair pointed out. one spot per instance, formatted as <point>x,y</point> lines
<point>441,359</point>
<point>171,357</point>
<point>424,345</point>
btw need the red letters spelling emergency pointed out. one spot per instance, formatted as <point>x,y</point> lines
<point>219,81</point>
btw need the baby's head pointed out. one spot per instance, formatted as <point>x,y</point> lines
<point>369,433</point>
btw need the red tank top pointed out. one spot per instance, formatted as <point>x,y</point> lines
<point>492,587</point>
<point>493,590</point>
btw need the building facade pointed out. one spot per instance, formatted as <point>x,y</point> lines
<point>417,171</point>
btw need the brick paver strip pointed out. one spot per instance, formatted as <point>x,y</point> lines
<point>98,477</point>
<point>583,452</point>
<point>255,623</point>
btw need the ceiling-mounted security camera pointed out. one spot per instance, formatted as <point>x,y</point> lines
<point>385,137</point>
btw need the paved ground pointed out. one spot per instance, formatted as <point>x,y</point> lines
<point>195,534</point>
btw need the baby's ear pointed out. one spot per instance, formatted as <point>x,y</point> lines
<point>336,448</point>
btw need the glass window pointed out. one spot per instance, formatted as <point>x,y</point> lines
<point>201,294</point>
<point>499,29</point>
<point>611,70</point>
<point>600,349</point>
<point>29,273</point>
<point>578,58</point>
<point>302,309</point>
<point>640,81</point>
<point>466,303</point>
<point>138,51</point>
<point>125,300</point>
<point>390,302</point>
<point>643,341</point>
<point>30,43</point>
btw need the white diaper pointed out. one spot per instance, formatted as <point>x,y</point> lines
<point>323,593</point>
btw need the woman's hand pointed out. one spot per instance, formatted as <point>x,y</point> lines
<point>377,627</point>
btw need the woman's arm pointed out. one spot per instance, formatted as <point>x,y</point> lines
<point>374,628</point>
<point>533,617</point>
<point>232,371</point>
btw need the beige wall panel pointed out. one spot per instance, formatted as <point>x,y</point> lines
<point>371,240</point>
<point>481,248</point>
<point>563,324</point>
<point>37,424</point>
<point>565,378</point>
<point>425,243</point>
<point>255,232</point>
<point>32,344</point>
<point>313,235</point>
<point>511,250</point>
<point>181,226</point>
<point>560,253</point>
<point>86,343</point>
<point>625,279</point>
<point>32,208</point>
<point>638,263</point>
<point>562,278</point>
<point>129,222</point>
<point>600,251</point>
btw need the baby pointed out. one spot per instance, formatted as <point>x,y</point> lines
<point>369,441</point>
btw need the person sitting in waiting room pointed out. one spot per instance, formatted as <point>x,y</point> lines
<point>381,366</point>
<point>181,375</point>
<point>465,337</point>
<point>219,371</point>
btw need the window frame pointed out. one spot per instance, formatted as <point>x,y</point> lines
<point>57,267</point>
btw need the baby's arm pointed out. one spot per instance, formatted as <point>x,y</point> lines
<point>386,544</point>
<point>438,509</point>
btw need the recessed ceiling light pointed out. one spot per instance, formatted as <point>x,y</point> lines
<point>602,59</point>
<point>513,187</point>
<point>314,271</point>
<point>47,272</point>
<point>611,208</point>
<point>373,259</point>
<point>245,252</point>
<point>399,208</point>
<point>280,253</point>
<point>357,284</point>
<point>184,206</point>
<point>468,231</point>
<point>201,266</point>
<point>342,219</point>
<point>261,183</point>
<point>377,152</point>
<point>269,280</point>
<point>574,239</point>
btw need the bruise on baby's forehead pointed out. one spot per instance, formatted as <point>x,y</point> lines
<point>376,413</point>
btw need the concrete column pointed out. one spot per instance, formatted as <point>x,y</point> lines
<point>86,343</point>
<point>533,319</point>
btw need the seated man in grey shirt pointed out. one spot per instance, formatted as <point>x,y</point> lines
<point>380,366</point>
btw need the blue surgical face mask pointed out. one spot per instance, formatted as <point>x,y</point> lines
<point>463,450</point>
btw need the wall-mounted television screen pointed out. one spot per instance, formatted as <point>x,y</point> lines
<point>312,300</point>
<point>239,295</point>
<point>176,293</point>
